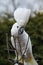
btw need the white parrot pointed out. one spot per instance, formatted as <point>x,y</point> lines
<point>21,38</point>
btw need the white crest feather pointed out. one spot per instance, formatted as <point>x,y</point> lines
<point>22,15</point>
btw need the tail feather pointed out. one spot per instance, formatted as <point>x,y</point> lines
<point>33,61</point>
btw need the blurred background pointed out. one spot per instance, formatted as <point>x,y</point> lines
<point>34,27</point>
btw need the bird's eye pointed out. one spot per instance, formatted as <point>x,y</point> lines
<point>17,26</point>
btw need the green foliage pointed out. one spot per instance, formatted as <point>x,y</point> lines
<point>35,30</point>
<point>5,27</point>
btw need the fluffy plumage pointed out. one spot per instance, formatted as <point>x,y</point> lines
<point>22,15</point>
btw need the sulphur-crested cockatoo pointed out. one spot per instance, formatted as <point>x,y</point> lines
<point>19,35</point>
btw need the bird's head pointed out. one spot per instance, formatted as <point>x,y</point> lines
<point>16,30</point>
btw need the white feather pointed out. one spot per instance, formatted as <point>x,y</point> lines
<point>22,16</point>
